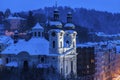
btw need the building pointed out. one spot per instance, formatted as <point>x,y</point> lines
<point>5,41</point>
<point>15,23</point>
<point>85,61</point>
<point>2,29</point>
<point>105,60</point>
<point>59,53</point>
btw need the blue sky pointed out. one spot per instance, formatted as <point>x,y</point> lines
<point>24,5</point>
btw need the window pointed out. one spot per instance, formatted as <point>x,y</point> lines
<point>61,70</point>
<point>53,44</point>
<point>38,34</point>
<point>0,47</point>
<point>35,34</point>
<point>73,44</point>
<point>61,44</point>
<point>53,34</point>
<point>71,66</point>
<point>7,60</point>
<point>60,34</point>
<point>42,34</point>
<point>92,60</point>
<point>67,43</point>
<point>42,59</point>
<point>66,69</point>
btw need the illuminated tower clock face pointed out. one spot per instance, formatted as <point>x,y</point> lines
<point>53,34</point>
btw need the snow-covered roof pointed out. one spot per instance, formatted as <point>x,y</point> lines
<point>12,64</point>
<point>102,34</point>
<point>5,39</point>
<point>11,17</point>
<point>55,24</point>
<point>43,65</point>
<point>37,26</point>
<point>0,61</point>
<point>84,45</point>
<point>35,46</point>
<point>56,30</point>
<point>69,25</point>
<point>70,31</point>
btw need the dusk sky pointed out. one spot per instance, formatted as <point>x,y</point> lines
<point>25,5</point>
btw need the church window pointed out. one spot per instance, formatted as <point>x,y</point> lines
<point>53,44</point>
<point>61,70</point>
<point>7,60</point>
<point>66,69</point>
<point>39,34</point>
<point>67,43</point>
<point>35,34</point>
<point>73,44</point>
<point>42,59</point>
<point>61,44</point>
<point>0,47</point>
<point>71,66</point>
<point>60,34</point>
<point>53,34</point>
<point>42,33</point>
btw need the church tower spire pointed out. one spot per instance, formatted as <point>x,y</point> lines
<point>69,17</point>
<point>56,13</point>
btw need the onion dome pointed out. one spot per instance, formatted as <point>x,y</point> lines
<point>69,24</point>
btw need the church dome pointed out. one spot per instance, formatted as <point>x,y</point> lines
<point>55,24</point>
<point>69,25</point>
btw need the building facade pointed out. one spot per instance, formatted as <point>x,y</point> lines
<point>59,53</point>
<point>85,62</point>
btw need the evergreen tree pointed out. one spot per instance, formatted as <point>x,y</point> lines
<point>30,20</point>
<point>7,13</point>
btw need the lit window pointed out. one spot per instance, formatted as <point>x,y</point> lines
<point>92,61</point>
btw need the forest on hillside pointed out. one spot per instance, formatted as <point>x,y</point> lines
<point>91,19</point>
<point>85,20</point>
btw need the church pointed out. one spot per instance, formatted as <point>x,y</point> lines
<point>58,52</point>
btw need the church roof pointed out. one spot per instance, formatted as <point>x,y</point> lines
<point>69,25</point>
<point>37,26</point>
<point>35,46</point>
<point>5,39</point>
<point>57,24</point>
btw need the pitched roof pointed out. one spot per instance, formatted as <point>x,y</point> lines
<point>35,46</point>
<point>37,26</point>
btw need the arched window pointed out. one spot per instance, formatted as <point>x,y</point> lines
<point>67,43</point>
<point>53,44</point>
<point>73,44</point>
<point>61,44</point>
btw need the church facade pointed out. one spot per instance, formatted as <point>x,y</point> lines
<point>59,52</point>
